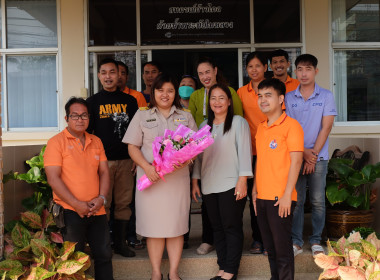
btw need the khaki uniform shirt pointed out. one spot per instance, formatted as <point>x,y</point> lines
<point>147,124</point>
<point>162,210</point>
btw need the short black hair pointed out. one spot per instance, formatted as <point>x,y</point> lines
<point>190,77</point>
<point>230,112</point>
<point>274,83</point>
<point>120,63</point>
<point>75,100</point>
<point>158,82</point>
<point>279,52</point>
<point>259,55</point>
<point>307,59</point>
<point>154,63</point>
<point>106,61</point>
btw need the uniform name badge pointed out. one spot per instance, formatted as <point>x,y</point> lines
<point>180,120</point>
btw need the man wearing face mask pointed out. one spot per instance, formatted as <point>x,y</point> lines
<point>187,86</point>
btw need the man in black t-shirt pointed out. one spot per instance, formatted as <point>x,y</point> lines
<point>110,114</point>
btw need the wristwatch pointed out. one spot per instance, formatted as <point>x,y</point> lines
<point>104,199</point>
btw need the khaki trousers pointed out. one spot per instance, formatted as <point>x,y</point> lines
<point>121,188</point>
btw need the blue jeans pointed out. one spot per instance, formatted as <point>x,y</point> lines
<point>317,184</point>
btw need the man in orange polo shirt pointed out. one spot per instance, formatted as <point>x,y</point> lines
<point>279,143</point>
<point>279,63</point>
<point>122,84</point>
<point>77,170</point>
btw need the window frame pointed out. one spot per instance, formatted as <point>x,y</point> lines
<point>5,52</point>
<point>346,46</point>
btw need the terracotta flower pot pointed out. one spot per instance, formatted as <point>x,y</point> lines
<point>340,222</point>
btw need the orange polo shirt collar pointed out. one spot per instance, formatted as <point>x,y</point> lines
<point>88,138</point>
<point>279,121</point>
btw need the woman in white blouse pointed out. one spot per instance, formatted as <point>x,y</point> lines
<point>223,169</point>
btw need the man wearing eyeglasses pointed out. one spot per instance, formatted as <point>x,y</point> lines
<point>111,112</point>
<point>77,170</point>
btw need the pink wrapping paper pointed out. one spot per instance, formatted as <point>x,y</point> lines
<point>198,142</point>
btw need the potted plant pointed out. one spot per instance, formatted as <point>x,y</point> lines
<point>34,250</point>
<point>351,258</point>
<point>36,177</point>
<point>350,194</point>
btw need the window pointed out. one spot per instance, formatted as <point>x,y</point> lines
<point>31,24</point>
<point>129,58</point>
<point>293,53</point>
<point>356,45</point>
<point>356,21</point>
<point>277,21</point>
<point>112,23</point>
<point>28,64</point>
<point>357,89</point>
<point>31,80</point>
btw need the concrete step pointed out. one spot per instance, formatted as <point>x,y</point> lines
<point>196,267</point>
<point>300,276</point>
<point>193,266</point>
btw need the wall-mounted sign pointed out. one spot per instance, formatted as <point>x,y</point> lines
<point>194,22</point>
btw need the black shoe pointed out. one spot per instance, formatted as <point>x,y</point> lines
<point>215,278</point>
<point>136,244</point>
<point>169,277</point>
<point>120,245</point>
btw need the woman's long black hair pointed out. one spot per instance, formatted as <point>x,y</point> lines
<point>230,112</point>
<point>220,79</point>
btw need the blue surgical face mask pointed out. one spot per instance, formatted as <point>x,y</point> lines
<point>185,92</point>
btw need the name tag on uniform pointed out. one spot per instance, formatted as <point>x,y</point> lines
<point>180,120</point>
<point>151,120</point>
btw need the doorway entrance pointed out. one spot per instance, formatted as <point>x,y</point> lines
<point>181,62</point>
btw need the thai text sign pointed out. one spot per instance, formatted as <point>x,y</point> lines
<point>194,22</point>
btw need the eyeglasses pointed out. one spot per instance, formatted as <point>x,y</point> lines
<point>83,117</point>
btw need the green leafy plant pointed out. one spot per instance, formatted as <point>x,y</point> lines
<point>347,187</point>
<point>32,251</point>
<point>351,258</point>
<point>364,232</point>
<point>36,177</point>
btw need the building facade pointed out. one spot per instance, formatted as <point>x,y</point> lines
<point>50,50</point>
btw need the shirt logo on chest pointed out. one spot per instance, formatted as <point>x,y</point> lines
<point>273,144</point>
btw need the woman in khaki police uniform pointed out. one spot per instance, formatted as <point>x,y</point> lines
<point>162,210</point>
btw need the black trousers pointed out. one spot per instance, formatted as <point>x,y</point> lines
<point>277,237</point>
<point>95,231</point>
<point>207,233</point>
<point>256,234</point>
<point>226,217</point>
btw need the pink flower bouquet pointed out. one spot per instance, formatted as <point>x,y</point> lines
<point>176,146</point>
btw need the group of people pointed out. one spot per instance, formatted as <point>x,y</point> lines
<point>270,143</point>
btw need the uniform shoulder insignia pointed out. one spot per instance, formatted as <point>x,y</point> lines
<point>186,110</point>
<point>143,108</point>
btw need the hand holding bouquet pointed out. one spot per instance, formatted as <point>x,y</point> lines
<point>176,147</point>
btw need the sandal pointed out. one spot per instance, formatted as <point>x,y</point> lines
<point>317,249</point>
<point>204,249</point>
<point>256,248</point>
